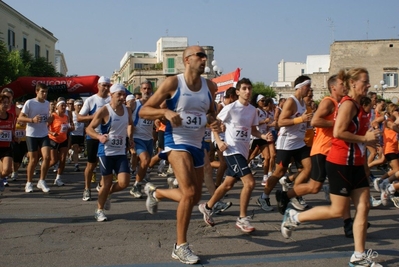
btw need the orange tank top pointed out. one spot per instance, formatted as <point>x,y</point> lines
<point>390,140</point>
<point>60,125</point>
<point>323,136</point>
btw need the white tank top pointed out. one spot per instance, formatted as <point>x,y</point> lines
<point>143,128</point>
<point>292,137</point>
<point>116,128</point>
<point>192,107</point>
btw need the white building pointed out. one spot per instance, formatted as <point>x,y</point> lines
<point>317,63</point>
<point>20,33</point>
<point>289,71</point>
<point>60,63</point>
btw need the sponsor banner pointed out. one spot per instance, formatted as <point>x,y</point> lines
<point>62,85</point>
<point>227,80</point>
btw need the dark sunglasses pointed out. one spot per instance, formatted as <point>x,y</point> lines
<point>199,54</point>
<point>262,100</point>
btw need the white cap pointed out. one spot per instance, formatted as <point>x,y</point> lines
<point>259,98</point>
<point>117,87</point>
<point>130,97</point>
<point>104,79</point>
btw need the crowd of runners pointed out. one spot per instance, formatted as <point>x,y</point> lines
<point>180,127</point>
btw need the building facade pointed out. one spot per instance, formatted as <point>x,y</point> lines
<point>380,57</point>
<point>167,60</point>
<point>20,33</point>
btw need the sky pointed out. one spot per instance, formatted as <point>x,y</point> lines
<point>254,35</point>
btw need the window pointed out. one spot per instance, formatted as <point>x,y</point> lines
<point>47,54</point>
<point>138,66</point>
<point>302,71</point>
<point>37,51</point>
<point>171,63</point>
<point>391,79</point>
<point>11,39</point>
<point>25,44</point>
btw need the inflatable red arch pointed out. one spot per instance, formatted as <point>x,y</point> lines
<point>62,85</point>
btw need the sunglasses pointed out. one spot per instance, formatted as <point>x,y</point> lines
<point>199,54</point>
<point>262,100</point>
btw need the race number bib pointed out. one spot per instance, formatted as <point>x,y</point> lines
<point>43,118</point>
<point>242,134</point>
<point>302,128</point>
<point>146,123</point>
<point>207,137</point>
<point>5,135</point>
<point>115,141</point>
<point>20,133</point>
<point>193,120</point>
<point>64,128</point>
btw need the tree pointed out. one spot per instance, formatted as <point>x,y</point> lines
<point>5,71</point>
<point>261,88</point>
<point>17,64</point>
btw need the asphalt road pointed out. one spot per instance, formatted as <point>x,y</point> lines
<point>59,229</point>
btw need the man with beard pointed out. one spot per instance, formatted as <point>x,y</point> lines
<point>143,138</point>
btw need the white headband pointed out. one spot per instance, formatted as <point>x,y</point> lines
<point>259,98</point>
<point>117,87</point>
<point>60,102</point>
<point>299,85</point>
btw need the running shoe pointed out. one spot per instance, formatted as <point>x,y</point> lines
<point>76,168</point>
<point>298,203</point>
<point>151,202</point>
<point>244,225</point>
<point>93,177</point>
<point>376,184</point>
<point>58,182</point>
<point>288,224</point>
<point>99,215</point>
<point>367,260</point>
<point>264,180</point>
<point>374,202</point>
<point>136,191</point>
<point>43,186</point>
<point>395,201</point>
<point>184,254</point>
<point>86,195</point>
<point>284,183</point>
<point>282,201</point>
<point>207,214</point>
<point>98,187</point>
<point>264,203</point>
<point>162,174</point>
<point>220,207</point>
<point>170,181</point>
<point>28,187</point>
<point>14,176</point>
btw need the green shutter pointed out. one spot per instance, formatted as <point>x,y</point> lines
<point>171,63</point>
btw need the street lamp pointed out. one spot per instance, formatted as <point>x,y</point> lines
<point>217,71</point>
<point>383,88</point>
